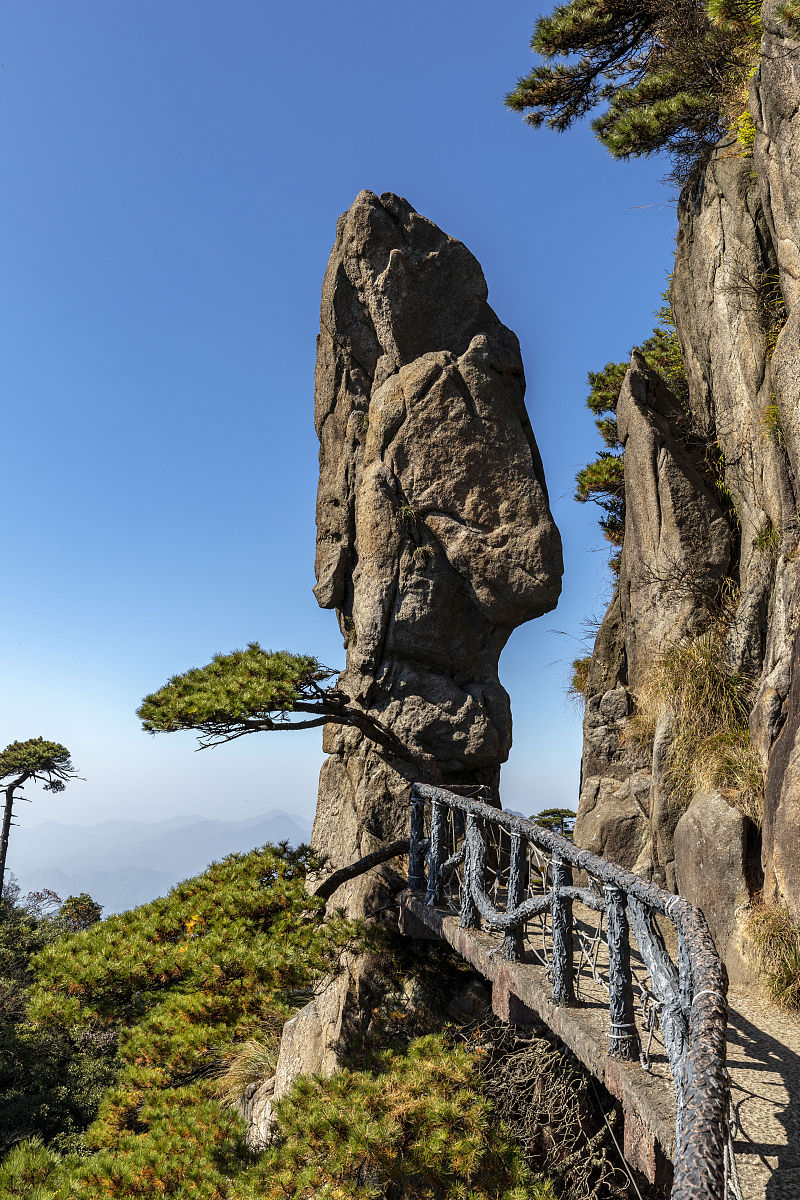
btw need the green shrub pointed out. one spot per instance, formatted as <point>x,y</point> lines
<point>203,979</point>
<point>771,423</point>
<point>180,982</point>
<point>416,1122</point>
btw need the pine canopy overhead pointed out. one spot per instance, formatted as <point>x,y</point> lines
<point>666,72</point>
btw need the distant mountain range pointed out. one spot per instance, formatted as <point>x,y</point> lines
<point>125,863</point>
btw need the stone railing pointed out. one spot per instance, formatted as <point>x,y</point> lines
<point>514,877</point>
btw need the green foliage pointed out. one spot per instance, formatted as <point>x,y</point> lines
<point>415,1123</point>
<point>710,745</point>
<point>745,128</point>
<point>603,480</point>
<point>771,424</point>
<point>50,1081</point>
<point>789,13</point>
<point>29,1171</point>
<point>178,983</point>
<point>775,941</point>
<point>666,74</point>
<point>48,763</point>
<point>79,912</point>
<point>557,820</point>
<point>407,515</point>
<point>207,975</point>
<point>768,538</point>
<point>251,685</point>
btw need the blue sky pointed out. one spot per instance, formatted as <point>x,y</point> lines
<point>171,178</point>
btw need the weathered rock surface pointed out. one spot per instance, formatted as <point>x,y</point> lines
<point>677,548</point>
<point>434,542</point>
<point>435,538</point>
<point>302,1052</point>
<point>776,718</point>
<point>711,848</point>
<point>712,525</point>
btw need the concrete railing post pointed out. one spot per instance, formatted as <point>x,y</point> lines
<point>473,874</point>
<point>416,855</point>
<point>436,853</point>
<point>561,920</point>
<point>623,1039</point>
<point>513,941</point>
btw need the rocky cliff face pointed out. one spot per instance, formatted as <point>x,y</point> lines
<point>434,535</point>
<point>711,542</point>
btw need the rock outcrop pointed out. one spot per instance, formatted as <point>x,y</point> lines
<point>711,530</point>
<point>434,542</point>
<point>434,535</point>
<point>677,548</point>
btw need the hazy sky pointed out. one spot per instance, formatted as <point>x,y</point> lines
<point>172,171</point>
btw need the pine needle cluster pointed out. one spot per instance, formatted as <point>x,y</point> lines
<point>178,983</point>
<point>237,690</point>
<point>603,480</point>
<point>416,1123</point>
<point>667,74</point>
<point>48,763</point>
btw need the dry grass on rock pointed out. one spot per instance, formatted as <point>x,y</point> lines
<point>709,702</point>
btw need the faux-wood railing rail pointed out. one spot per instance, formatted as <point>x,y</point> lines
<point>457,843</point>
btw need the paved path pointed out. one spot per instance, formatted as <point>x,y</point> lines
<point>763,1058</point>
<point>764,1065</point>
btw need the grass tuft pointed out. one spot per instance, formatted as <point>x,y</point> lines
<point>775,939</point>
<point>710,746</point>
<point>253,1061</point>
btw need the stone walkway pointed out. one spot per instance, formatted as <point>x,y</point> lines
<point>764,1065</point>
<point>763,1060</point>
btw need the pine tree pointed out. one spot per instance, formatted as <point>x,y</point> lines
<point>38,761</point>
<point>668,74</point>
<point>256,691</point>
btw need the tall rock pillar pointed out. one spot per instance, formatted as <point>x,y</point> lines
<point>434,534</point>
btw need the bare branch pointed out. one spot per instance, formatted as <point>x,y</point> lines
<point>335,881</point>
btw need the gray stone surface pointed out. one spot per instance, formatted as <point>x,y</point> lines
<point>677,541</point>
<point>677,548</point>
<point>434,542</point>
<point>711,866</point>
<point>711,495</point>
<point>434,535</point>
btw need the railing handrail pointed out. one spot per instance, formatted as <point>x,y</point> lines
<point>703,1090</point>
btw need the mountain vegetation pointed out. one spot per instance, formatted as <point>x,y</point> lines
<point>136,1020</point>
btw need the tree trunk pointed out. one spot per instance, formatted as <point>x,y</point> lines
<point>7,811</point>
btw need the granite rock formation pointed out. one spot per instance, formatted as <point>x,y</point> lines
<point>434,542</point>
<point>434,535</point>
<point>712,515</point>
